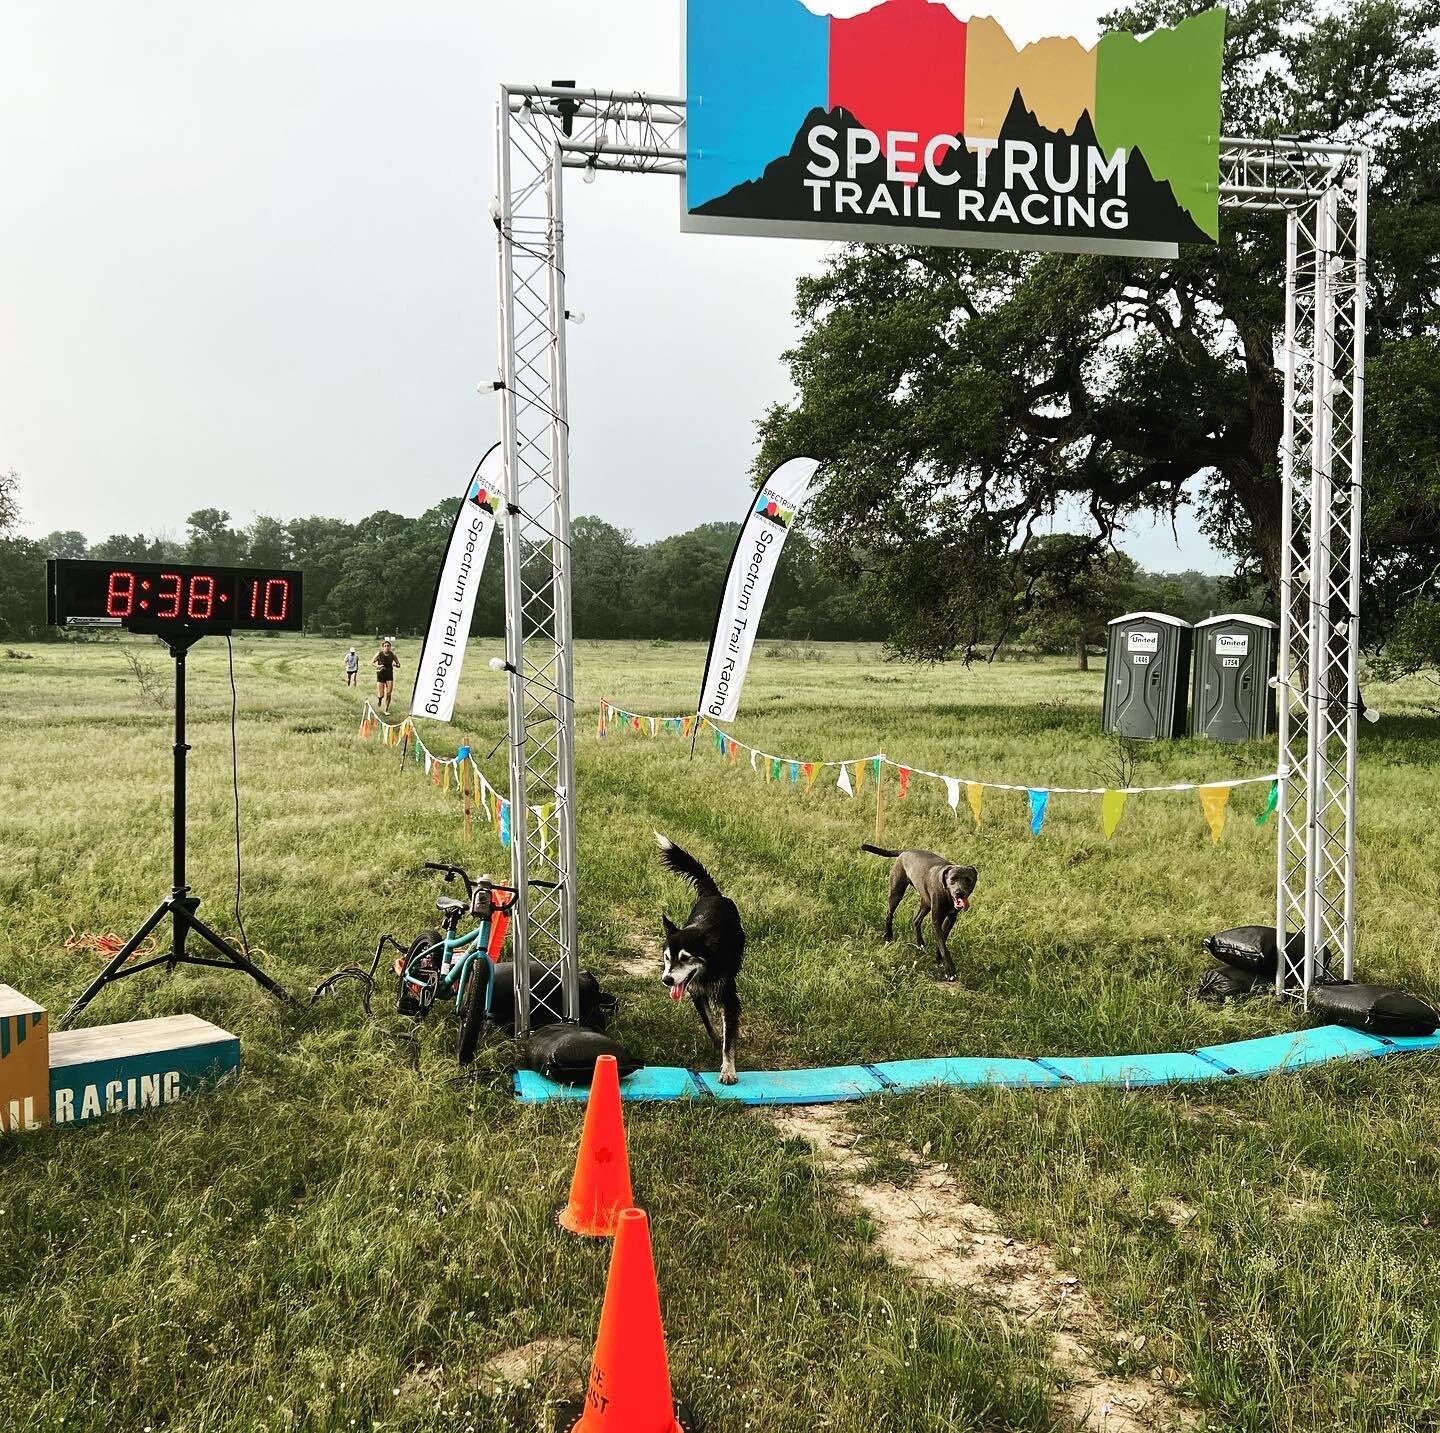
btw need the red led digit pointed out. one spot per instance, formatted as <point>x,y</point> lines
<point>202,598</point>
<point>275,611</point>
<point>120,595</point>
<point>172,597</point>
<point>254,599</point>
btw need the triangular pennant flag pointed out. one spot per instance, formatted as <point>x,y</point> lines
<point>427,763</point>
<point>775,768</point>
<point>794,771</point>
<point>952,792</point>
<point>810,769</point>
<point>1271,802</point>
<point>686,725</point>
<point>734,752</point>
<point>844,782</point>
<point>975,795</point>
<point>504,823</point>
<point>1215,800</point>
<point>860,775</point>
<point>1039,800</point>
<point>1112,804</point>
<point>652,726</point>
<point>878,761</point>
<point>754,758</point>
<point>904,780</point>
<point>600,728</point>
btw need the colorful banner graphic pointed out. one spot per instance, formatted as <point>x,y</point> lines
<point>907,123</point>
<point>851,774</point>
<point>756,556</point>
<point>437,673</point>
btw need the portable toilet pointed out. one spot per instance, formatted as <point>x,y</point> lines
<point>1232,699</point>
<point>1147,676</point>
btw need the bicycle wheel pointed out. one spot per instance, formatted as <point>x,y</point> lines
<point>407,1003</point>
<point>472,1009</point>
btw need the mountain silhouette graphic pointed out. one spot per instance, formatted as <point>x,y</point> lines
<point>780,194</point>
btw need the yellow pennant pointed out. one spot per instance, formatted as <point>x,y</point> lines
<point>975,795</point>
<point>1214,800</point>
<point>859,776</point>
<point>1112,805</point>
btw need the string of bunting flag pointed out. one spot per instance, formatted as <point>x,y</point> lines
<point>853,772</point>
<point>461,772</point>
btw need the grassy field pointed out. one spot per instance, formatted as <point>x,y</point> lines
<point>337,1240</point>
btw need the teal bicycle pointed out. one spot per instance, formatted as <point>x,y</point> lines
<point>446,964</point>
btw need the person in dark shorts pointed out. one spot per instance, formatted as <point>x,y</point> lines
<point>385,661</point>
<point>352,667</point>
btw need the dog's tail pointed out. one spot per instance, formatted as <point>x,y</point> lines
<point>878,850</point>
<point>684,864</point>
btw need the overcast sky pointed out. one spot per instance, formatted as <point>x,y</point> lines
<point>246,262</point>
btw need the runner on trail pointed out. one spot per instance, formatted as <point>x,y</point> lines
<point>385,661</point>
<point>352,667</point>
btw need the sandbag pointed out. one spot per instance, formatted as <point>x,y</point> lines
<point>1246,947</point>
<point>567,1054</point>
<point>596,1005</point>
<point>1380,1009</point>
<point>1227,983</point>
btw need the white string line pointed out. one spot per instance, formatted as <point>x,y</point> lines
<point>963,780</point>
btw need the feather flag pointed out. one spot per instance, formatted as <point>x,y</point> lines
<point>747,583</point>
<point>1112,805</point>
<point>437,672</point>
<point>1215,801</point>
<point>1039,801</point>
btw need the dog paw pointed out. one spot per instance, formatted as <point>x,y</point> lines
<point>950,979</point>
<point>729,1077</point>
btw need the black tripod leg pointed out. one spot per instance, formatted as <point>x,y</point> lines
<point>235,957</point>
<point>119,959</point>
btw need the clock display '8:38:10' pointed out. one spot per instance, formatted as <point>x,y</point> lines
<point>194,596</point>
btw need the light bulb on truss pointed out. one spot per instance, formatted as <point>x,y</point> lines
<point>590,172</point>
<point>527,114</point>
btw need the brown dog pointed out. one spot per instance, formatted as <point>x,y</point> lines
<point>944,890</point>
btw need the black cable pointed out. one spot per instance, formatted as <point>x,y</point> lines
<point>235,784</point>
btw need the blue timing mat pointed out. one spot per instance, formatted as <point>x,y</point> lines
<point>1242,1059</point>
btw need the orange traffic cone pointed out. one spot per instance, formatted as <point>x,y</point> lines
<point>601,1186</point>
<point>629,1388</point>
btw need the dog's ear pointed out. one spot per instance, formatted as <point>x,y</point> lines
<point>669,925</point>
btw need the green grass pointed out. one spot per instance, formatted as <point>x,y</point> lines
<point>290,1251</point>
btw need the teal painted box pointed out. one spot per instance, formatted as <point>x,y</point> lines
<point>141,1064</point>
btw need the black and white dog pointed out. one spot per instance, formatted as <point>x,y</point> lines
<point>944,890</point>
<point>702,957</point>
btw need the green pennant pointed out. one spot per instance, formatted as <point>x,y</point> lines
<point>1272,801</point>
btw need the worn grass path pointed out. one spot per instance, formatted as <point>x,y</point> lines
<point>338,1237</point>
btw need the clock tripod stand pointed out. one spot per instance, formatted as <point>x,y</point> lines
<point>179,905</point>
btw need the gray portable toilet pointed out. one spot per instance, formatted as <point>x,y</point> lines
<point>1232,699</point>
<point>1147,676</point>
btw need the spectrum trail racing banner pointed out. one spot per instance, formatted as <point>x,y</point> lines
<point>437,673</point>
<point>767,524</point>
<point>909,124</point>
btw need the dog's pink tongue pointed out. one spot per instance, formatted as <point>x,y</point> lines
<point>677,992</point>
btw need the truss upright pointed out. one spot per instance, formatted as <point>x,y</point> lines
<point>1321,189</point>
<point>540,133</point>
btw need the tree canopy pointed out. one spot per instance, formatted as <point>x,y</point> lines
<point>959,397</point>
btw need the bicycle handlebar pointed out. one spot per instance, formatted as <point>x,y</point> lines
<point>470,885</point>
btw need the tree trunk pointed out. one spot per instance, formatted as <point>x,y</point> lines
<point>1082,657</point>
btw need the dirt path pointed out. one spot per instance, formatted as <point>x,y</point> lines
<point>931,1230</point>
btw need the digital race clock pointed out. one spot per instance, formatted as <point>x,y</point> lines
<point>166,596</point>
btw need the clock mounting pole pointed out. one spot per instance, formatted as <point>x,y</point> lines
<point>179,905</point>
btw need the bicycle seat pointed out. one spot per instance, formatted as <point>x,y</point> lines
<point>446,904</point>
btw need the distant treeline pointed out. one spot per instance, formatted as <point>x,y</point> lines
<point>377,576</point>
